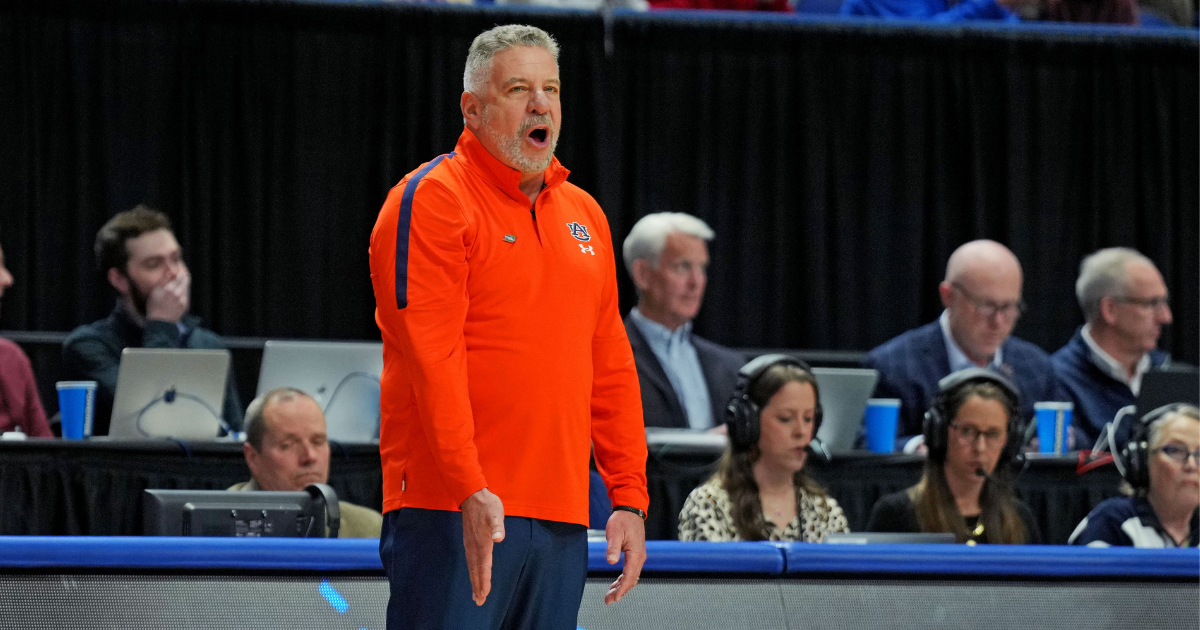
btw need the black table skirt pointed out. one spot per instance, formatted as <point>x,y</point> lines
<point>54,487</point>
<point>1057,495</point>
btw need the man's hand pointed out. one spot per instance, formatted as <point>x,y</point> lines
<point>625,533</point>
<point>483,526</point>
<point>169,302</point>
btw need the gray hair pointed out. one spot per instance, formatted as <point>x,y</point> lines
<point>1102,274</point>
<point>255,424</point>
<point>649,236</point>
<point>1155,437</point>
<point>490,43</point>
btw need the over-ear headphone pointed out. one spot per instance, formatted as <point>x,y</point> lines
<point>742,414</point>
<point>1135,455</point>
<point>937,419</point>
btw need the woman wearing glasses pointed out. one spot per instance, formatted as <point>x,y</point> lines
<point>972,432</point>
<point>1161,465</point>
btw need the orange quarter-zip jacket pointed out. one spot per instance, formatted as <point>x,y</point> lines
<point>505,358</point>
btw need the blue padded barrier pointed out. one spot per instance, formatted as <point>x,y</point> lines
<point>692,557</point>
<point>168,552</point>
<point>995,560</point>
<point>777,559</point>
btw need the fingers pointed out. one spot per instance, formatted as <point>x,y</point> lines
<point>483,526</point>
<point>478,545</point>
<point>611,596</point>
<point>629,576</point>
<point>496,521</point>
<point>625,582</point>
<point>615,542</point>
<point>484,577</point>
<point>625,535</point>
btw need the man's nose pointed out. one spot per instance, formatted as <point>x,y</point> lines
<point>539,103</point>
<point>1164,315</point>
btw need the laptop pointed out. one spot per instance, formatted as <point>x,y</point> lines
<point>169,393</point>
<point>663,440</point>
<point>844,395</point>
<point>343,377</point>
<point>1178,383</point>
<point>888,538</point>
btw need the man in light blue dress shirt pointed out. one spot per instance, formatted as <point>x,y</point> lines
<point>686,380</point>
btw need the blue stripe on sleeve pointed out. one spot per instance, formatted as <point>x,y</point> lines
<point>403,224</point>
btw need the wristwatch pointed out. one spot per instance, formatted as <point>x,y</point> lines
<point>629,508</point>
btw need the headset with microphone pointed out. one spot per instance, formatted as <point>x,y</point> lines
<point>742,415</point>
<point>936,425</point>
<point>1133,460</point>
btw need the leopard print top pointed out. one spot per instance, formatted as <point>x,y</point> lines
<point>706,516</point>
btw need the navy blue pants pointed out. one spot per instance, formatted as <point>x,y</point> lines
<point>538,573</point>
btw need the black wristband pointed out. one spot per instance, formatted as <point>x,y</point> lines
<point>628,508</point>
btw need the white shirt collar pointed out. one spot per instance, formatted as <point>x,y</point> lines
<point>958,358</point>
<point>1113,367</point>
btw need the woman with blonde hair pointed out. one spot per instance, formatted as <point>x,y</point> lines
<point>1161,463</point>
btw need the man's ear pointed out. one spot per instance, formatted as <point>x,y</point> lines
<point>1108,308</point>
<point>472,110</point>
<point>118,281</point>
<point>946,292</point>
<point>641,274</point>
<point>251,458</point>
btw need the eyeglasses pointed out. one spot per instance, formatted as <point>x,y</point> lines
<point>1179,453</point>
<point>987,309</point>
<point>1153,303</point>
<point>967,435</point>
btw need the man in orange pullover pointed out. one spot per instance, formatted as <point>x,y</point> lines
<point>505,363</point>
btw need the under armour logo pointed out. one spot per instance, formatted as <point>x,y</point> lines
<point>587,249</point>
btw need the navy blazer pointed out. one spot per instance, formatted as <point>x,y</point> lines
<point>660,404</point>
<point>911,365</point>
<point>1097,396</point>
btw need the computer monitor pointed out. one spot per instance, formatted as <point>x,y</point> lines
<point>305,514</point>
<point>844,395</point>
<point>170,392</point>
<point>343,377</point>
<point>1174,384</point>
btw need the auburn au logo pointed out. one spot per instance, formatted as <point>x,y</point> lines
<point>579,231</point>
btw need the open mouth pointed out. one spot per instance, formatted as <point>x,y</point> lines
<point>539,136</point>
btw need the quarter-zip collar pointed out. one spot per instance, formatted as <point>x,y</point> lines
<point>475,156</point>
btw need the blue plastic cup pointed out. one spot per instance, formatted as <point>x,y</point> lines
<point>77,406</point>
<point>879,423</point>
<point>1053,426</point>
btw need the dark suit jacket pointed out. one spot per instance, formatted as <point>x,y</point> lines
<point>911,365</point>
<point>660,403</point>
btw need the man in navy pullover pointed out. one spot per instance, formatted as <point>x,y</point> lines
<point>1124,302</point>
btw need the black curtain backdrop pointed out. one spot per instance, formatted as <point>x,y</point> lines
<point>839,163</point>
